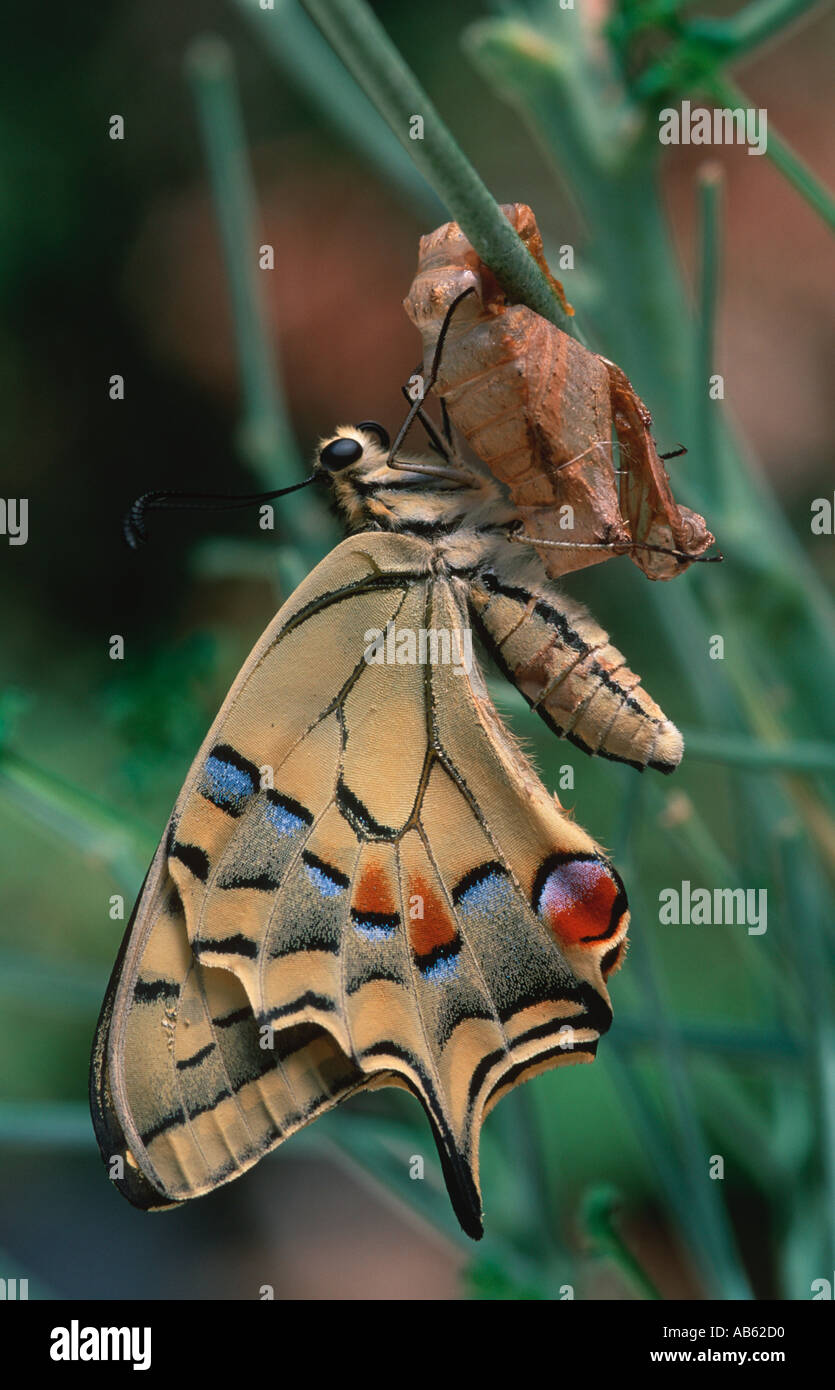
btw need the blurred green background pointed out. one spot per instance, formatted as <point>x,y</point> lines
<point>137,257</point>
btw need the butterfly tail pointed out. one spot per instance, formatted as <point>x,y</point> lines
<point>461,1184</point>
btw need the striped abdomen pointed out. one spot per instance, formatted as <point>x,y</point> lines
<point>568,671</point>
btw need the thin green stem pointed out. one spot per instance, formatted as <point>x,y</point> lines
<point>738,750</point>
<point>804,890</point>
<point>599,148</point>
<point>369,54</point>
<point>545,1197</point>
<point>753,25</point>
<point>265,435</point>
<point>707,1220</point>
<point>706,405</point>
<point>654,1139</point>
<point>781,154</point>
<point>800,176</point>
<point>599,1207</point>
<point>210,68</point>
<point>306,60</point>
<point>77,817</point>
<point>716,1238</point>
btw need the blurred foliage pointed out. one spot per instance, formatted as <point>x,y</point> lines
<point>723,1042</point>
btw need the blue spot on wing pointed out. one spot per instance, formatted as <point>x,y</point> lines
<point>228,781</point>
<point>483,889</point>
<point>445,968</point>
<point>328,879</point>
<point>326,885</point>
<point>375,926</point>
<point>282,819</point>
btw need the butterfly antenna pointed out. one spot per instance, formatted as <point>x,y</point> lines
<point>432,378</point>
<point>447,423</point>
<point>134,528</point>
<point>436,442</point>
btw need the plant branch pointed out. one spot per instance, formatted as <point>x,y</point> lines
<point>753,25</point>
<point>266,437</point>
<point>706,407</point>
<point>369,54</point>
<point>738,750</point>
<point>305,59</point>
<point>782,155</point>
<point>598,1211</point>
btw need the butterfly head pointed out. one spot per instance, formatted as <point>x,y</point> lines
<point>372,489</point>
<point>354,451</point>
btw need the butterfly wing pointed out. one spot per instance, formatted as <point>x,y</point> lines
<point>362,883</point>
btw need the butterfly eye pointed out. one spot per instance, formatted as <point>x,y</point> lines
<point>339,453</point>
<point>371,427</point>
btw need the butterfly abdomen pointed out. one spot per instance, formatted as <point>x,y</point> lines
<point>569,672</point>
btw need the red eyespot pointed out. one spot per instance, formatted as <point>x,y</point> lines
<point>580,897</point>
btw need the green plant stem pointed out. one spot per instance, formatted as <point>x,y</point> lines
<point>781,154</point>
<point>633,1096</point>
<point>707,408</point>
<point>751,26</point>
<point>369,54</point>
<point>745,1125</point>
<point>265,435</point>
<point>306,60</point>
<point>738,750</point>
<point>77,817</point>
<point>813,955</point>
<point>707,1223</point>
<point>716,1238</point>
<point>599,1207</point>
<point>800,176</point>
<point>547,1208</point>
<point>646,326</point>
<point>601,152</point>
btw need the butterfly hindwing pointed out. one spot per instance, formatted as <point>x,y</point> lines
<point>362,883</point>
